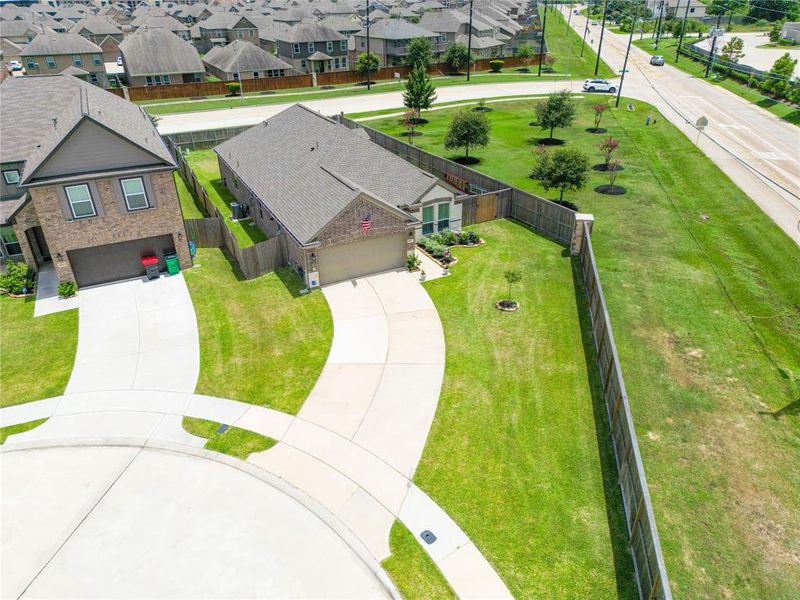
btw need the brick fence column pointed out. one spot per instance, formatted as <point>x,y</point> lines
<point>577,233</point>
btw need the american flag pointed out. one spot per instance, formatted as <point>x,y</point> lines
<point>366,222</point>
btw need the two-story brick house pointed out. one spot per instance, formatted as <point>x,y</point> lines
<point>153,57</point>
<point>87,182</point>
<point>390,38</point>
<point>221,28</point>
<point>310,47</point>
<point>52,53</point>
<point>103,32</point>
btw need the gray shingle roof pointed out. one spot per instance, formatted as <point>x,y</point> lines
<point>225,20</point>
<point>241,55</point>
<point>52,44</point>
<point>309,32</point>
<point>159,51</point>
<point>96,26</point>
<point>158,22</point>
<point>307,169</point>
<point>54,105</point>
<point>396,29</point>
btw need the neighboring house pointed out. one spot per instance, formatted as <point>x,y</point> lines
<point>221,29</point>
<point>87,182</point>
<point>347,25</point>
<point>244,60</point>
<point>159,57</point>
<point>310,47</point>
<point>347,206</point>
<point>791,31</point>
<point>51,53</point>
<point>10,51</point>
<point>162,22</point>
<point>389,40</point>
<point>192,14</point>
<point>102,31</point>
<point>20,31</point>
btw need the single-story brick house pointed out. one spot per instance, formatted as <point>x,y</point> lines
<point>87,182</point>
<point>347,207</point>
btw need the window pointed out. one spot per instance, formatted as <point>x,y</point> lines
<point>76,60</point>
<point>251,33</point>
<point>255,75</point>
<point>302,64</point>
<point>97,59</point>
<point>11,177</point>
<point>240,34</point>
<point>310,47</point>
<point>329,46</point>
<point>9,239</point>
<point>427,220</point>
<point>93,78</point>
<point>236,76</point>
<point>51,62</point>
<point>165,79</point>
<point>80,201</point>
<point>335,63</point>
<point>135,196</point>
<point>295,49</point>
<point>443,221</point>
<point>343,45</point>
<point>198,77</point>
<point>30,63</point>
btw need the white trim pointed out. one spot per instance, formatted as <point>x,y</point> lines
<point>5,176</point>
<point>67,188</point>
<point>143,193</point>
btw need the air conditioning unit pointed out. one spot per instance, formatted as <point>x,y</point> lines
<point>237,211</point>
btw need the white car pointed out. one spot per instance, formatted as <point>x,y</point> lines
<point>15,65</point>
<point>599,85</point>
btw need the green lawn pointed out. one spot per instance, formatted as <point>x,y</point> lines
<point>564,43</point>
<point>19,428</point>
<point>205,166</point>
<point>412,570</point>
<point>704,306</point>
<point>667,47</point>
<point>236,442</point>
<point>190,206</point>
<point>518,453</point>
<point>260,341</point>
<point>37,354</point>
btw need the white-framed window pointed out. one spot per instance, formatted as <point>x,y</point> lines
<point>329,46</point>
<point>80,201</point>
<point>97,59</point>
<point>302,64</point>
<point>11,176</point>
<point>135,196</point>
<point>93,78</point>
<point>76,60</point>
<point>165,79</point>
<point>295,49</point>
<point>310,47</point>
<point>30,63</point>
<point>9,239</point>
<point>344,62</point>
<point>256,75</point>
<point>51,62</point>
<point>343,45</point>
<point>240,34</point>
<point>443,216</point>
<point>251,33</point>
<point>236,76</point>
<point>427,220</point>
<point>335,63</point>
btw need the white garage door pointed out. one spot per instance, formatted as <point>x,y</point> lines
<point>370,256</point>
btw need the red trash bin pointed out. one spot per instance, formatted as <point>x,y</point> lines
<point>150,264</point>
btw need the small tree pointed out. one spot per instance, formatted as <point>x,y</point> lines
<point>367,63</point>
<point>420,52</point>
<point>496,65</point>
<point>613,168</point>
<point>733,50</point>
<point>557,111</point>
<point>467,129</point>
<point>607,147</point>
<point>457,56</point>
<point>563,169</point>
<point>525,53</point>
<point>512,277</point>
<point>233,87</point>
<point>775,33</point>
<point>420,93</point>
<point>410,121</point>
<point>599,110</point>
<point>779,81</point>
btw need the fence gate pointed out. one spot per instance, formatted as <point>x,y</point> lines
<point>487,208</point>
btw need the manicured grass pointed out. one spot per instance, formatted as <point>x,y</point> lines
<point>190,206</point>
<point>37,353</point>
<point>518,453</point>
<point>234,441</point>
<point>260,341</point>
<point>667,48</point>
<point>19,428</point>
<point>412,570</point>
<point>703,297</point>
<point>205,166</point>
<point>564,43</point>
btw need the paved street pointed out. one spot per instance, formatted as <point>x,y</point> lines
<point>754,56</point>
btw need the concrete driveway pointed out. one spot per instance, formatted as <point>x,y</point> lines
<point>136,335</point>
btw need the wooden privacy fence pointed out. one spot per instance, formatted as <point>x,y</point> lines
<point>651,571</point>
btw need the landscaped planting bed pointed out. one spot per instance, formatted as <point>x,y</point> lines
<point>704,308</point>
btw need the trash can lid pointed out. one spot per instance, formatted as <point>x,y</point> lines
<point>149,260</point>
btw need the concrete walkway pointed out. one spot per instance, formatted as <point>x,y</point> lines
<point>47,298</point>
<point>136,335</point>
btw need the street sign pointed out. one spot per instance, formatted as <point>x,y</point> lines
<point>701,123</point>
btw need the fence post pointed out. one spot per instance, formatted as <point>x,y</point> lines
<point>577,232</point>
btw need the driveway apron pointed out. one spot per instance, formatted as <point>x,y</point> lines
<point>136,335</point>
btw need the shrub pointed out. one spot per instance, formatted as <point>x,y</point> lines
<point>233,87</point>
<point>18,278</point>
<point>473,238</point>
<point>437,237</point>
<point>432,247</point>
<point>496,65</point>
<point>412,262</point>
<point>67,289</point>
<point>449,238</point>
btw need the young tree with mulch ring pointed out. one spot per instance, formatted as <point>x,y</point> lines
<point>468,129</point>
<point>420,93</point>
<point>525,53</point>
<point>410,122</point>
<point>614,167</point>
<point>562,169</point>
<point>557,111</point>
<point>599,111</point>
<point>607,147</point>
<point>367,64</point>
<point>511,276</point>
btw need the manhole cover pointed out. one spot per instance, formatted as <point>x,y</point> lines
<point>428,536</point>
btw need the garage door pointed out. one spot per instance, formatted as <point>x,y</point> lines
<point>112,262</point>
<point>370,256</point>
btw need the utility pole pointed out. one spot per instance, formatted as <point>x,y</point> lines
<point>658,22</point>
<point>369,67</point>
<point>683,30</point>
<point>569,19</point>
<point>627,52</point>
<point>600,45</point>
<point>586,29</point>
<point>713,47</point>
<point>541,44</point>
<point>469,42</point>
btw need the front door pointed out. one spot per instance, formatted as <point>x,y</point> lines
<point>41,242</point>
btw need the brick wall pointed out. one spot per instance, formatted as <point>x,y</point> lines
<point>24,220</point>
<point>346,228</point>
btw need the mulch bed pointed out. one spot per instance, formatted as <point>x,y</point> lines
<point>550,142</point>
<point>328,87</point>
<point>436,260</point>
<point>610,190</point>
<point>596,130</point>
<point>266,92</point>
<point>467,160</point>
<point>507,305</point>
<point>411,133</point>
<point>602,167</point>
<point>482,109</point>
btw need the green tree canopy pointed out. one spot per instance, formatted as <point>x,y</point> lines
<point>557,111</point>
<point>733,50</point>
<point>467,129</point>
<point>562,169</point>
<point>367,63</point>
<point>525,53</point>
<point>779,79</point>
<point>420,93</point>
<point>774,10</point>
<point>420,52</point>
<point>457,56</point>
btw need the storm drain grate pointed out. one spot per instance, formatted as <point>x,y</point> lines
<point>428,536</point>
<point>222,428</point>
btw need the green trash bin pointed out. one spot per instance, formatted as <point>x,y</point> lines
<point>173,266</point>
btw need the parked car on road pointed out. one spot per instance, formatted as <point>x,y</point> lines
<point>657,60</point>
<point>599,85</point>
